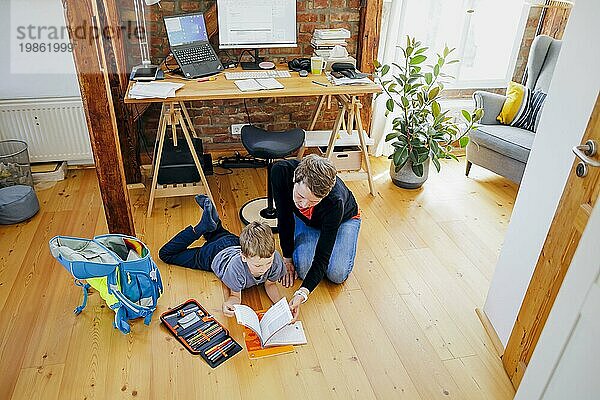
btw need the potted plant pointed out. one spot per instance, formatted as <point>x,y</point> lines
<point>421,131</point>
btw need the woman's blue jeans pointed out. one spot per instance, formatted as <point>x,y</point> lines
<point>342,256</point>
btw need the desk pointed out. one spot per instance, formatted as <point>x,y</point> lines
<point>174,112</point>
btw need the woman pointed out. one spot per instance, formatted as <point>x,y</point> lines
<point>318,221</point>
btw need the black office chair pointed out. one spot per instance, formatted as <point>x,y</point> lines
<point>268,146</point>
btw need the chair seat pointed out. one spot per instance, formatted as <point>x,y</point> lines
<point>507,140</point>
<point>270,145</point>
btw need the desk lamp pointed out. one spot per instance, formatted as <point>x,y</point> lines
<point>145,71</point>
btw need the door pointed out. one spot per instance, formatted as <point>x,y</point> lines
<point>576,376</point>
<point>570,219</point>
<point>566,361</point>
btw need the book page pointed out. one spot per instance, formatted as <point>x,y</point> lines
<point>289,334</point>
<point>247,317</point>
<point>269,83</point>
<point>278,316</point>
<point>248,85</point>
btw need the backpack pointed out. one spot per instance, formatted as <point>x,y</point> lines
<point>119,267</point>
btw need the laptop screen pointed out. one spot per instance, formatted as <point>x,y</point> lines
<point>185,29</point>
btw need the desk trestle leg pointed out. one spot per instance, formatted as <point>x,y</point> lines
<point>351,105</point>
<point>171,114</point>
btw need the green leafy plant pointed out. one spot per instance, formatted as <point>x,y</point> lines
<point>421,130</point>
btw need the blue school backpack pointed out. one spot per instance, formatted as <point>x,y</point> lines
<point>119,267</point>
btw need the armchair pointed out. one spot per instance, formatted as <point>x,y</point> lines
<point>505,149</point>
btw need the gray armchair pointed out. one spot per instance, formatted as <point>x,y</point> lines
<point>505,149</point>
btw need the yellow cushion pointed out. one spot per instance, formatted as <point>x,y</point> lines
<point>514,103</point>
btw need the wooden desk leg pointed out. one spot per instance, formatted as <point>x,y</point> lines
<point>317,113</point>
<point>188,119</point>
<point>350,123</point>
<point>312,124</point>
<point>336,130</point>
<point>186,134</point>
<point>162,126</point>
<point>363,142</point>
<point>173,121</point>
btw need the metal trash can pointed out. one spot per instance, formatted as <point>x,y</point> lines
<point>15,168</point>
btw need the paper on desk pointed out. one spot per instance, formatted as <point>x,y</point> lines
<point>349,81</point>
<point>249,85</point>
<point>149,90</point>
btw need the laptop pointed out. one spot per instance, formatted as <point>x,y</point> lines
<point>190,46</point>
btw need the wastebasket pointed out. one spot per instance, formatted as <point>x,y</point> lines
<point>15,168</point>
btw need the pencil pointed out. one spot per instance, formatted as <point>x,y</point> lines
<point>319,83</point>
<point>208,78</point>
<point>218,346</point>
<point>216,356</point>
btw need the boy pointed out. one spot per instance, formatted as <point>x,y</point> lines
<point>239,262</point>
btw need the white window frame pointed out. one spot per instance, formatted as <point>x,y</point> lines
<point>469,84</point>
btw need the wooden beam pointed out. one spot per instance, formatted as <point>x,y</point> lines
<point>118,75</point>
<point>94,83</point>
<point>368,45</point>
<point>211,20</point>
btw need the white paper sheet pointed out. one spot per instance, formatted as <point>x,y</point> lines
<point>278,316</point>
<point>290,334</point>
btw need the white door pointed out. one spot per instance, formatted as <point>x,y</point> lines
<point>566,361</point>
<point>576,376</point>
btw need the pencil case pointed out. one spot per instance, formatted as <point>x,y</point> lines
<point>200,333</point>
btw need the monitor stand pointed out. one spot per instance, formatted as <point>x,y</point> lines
<point>254,64</point>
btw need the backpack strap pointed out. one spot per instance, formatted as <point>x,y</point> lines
<point>120,321</point>
<point>125,303</point>
<point>84,286</point>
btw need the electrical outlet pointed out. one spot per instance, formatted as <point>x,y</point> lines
<point>236,129</point>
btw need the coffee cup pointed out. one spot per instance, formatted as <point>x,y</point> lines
<point>317,64</point>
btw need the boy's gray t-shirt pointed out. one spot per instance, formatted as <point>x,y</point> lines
<point>234,273</point>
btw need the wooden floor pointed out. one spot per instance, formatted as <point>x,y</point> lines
<point>402,327</point>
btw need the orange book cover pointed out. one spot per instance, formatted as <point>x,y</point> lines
<point>254,348</point>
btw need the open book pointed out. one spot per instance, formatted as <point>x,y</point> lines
<point>274,327</point>
<point>250,85</point>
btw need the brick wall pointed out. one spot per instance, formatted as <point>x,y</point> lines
<point>212,119</point>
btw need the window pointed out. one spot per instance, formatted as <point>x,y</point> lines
<point>486,34</point>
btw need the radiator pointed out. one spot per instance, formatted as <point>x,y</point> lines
<point>55,129</point>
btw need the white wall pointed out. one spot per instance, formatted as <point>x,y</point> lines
<point>33,75</point>
<point>570,100</point>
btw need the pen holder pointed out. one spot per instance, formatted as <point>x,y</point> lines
<point>200,333</point>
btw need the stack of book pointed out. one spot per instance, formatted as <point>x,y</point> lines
<point>324,40</point>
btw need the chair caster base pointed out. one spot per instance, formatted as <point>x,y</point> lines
<point>257,210</point>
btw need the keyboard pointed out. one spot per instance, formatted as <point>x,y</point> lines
<point>193,55</point>
<point>257,74</point>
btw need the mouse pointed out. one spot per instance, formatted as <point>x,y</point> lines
<point>303,73</point>
<point>349,73</point>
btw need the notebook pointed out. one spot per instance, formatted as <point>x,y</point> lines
<point>251,85</point>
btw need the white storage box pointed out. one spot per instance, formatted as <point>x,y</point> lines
<point>345,158</point>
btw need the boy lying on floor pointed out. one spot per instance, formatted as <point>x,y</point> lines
<point>240,262</point>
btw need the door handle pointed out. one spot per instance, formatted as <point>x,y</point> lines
<point>585,152</point>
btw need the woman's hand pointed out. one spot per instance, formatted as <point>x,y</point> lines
<point>295,307</point>
<point>288,279</point>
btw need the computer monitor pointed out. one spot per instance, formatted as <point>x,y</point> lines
<point>254,24</point>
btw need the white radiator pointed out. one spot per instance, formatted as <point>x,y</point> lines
<point>54,129</point>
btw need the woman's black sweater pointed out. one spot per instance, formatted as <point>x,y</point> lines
<point>337,207</point>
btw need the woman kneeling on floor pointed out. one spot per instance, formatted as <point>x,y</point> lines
<point>318,221</point>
